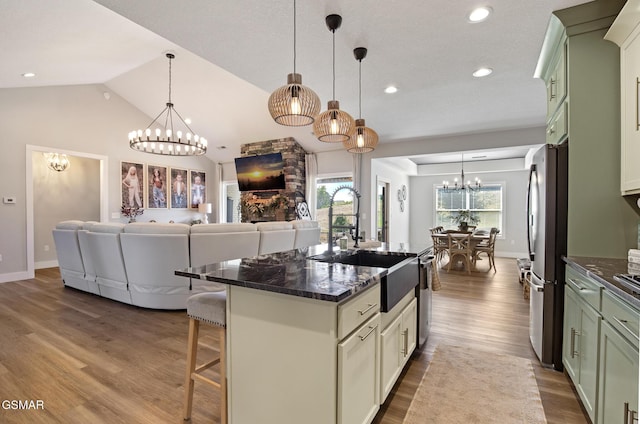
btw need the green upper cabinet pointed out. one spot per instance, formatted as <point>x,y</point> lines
<point>589,120</point>
<point>625,32</point>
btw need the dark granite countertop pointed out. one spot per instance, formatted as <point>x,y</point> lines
<point>602,270</point>
<point>293,273</point>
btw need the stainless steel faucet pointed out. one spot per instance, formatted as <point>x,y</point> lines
<point>356,236</point>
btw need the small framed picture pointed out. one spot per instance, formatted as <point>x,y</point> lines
<point>197,188</point>
<point>132,185</point>
<point>179,193</point>
<point>157,187</point>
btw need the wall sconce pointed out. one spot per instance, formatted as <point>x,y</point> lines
<point>57,162</point>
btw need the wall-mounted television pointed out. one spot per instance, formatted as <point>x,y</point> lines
<point>261,172</point>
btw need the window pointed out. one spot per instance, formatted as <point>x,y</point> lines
<point>485,203</point>
<point>343,203</point>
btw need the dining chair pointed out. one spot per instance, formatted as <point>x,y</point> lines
<point>460,245</point>
<point>440,247</point>
<point>488,248</point>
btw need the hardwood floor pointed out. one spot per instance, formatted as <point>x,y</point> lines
<point>93,360</point>
<point>485,310</point>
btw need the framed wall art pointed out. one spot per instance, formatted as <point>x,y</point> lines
<point>133,185</point>
<point>157,187</point>
<point>179,193</point>
<point>197,188</point>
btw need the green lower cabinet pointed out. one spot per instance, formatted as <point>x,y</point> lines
<point>580,348</point>
<point>618,378</point>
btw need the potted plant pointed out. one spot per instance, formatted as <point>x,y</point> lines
<point>463,218</point>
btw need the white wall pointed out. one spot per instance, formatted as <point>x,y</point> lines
<point>75,118</point>
<point>512,241</point>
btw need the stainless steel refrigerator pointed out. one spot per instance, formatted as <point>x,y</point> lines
<point>547,236</point>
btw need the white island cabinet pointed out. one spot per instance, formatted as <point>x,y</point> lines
<point>298,360</point>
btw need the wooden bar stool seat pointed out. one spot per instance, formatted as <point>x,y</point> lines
<point>210,308</point>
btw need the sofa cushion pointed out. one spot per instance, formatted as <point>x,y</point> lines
<point>156,228</point>
<point>222,228</point>
<point>274,226</point>
<point>69,225</point>
<point>107,227</point>
<point>304,224</point>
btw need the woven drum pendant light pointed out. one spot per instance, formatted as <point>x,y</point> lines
<point>333,125</point>
<point>294,105</point>
<point>363,139</point>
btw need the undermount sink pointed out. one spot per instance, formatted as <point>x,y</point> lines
<point>402,275</point>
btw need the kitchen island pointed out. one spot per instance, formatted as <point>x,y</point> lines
<point>306,338</point>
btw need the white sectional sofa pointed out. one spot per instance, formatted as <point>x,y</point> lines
<point>135,263</point>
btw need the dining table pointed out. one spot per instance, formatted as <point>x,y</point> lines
<point>476,238</point>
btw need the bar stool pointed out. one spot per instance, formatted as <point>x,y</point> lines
<point>210,308</point>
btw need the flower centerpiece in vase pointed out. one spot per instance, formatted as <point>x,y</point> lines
<point>131,212</point>
<point>279,203</point>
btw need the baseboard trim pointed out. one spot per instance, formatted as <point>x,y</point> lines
<point>14,276</point>
<point>46,264</point>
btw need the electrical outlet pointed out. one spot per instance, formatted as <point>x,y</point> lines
<point>46,247</point>
<point>9,200</point>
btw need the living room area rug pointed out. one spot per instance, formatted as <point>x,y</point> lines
<point>465,385</point>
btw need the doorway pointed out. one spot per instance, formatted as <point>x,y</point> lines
<point>382,211</point>
<point>36,151</point>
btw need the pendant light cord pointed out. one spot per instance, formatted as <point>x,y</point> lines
<point>169,80</point>
<point>360,89</point>
<point>334,64</point>
<point>294,36</point>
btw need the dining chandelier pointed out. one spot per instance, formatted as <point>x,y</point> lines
<point>363,139</point>
<point>294,105</point>
<point>333,125</point>
<point>160,136</point>
<point>58,162</point>
<point>461,185</point>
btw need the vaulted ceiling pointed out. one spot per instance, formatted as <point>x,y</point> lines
<point>230,55</point>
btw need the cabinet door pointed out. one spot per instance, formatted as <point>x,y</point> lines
<point>358,374</point>
<point>618,377</point>
<point>630,85</point>
<point>571,329</point>
<point>409,329</point>
<point>390,359</point>
<point>589,339</point>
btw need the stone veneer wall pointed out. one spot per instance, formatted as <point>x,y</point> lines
<point>293,156</point>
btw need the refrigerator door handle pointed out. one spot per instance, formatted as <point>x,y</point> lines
<point>530,216</point>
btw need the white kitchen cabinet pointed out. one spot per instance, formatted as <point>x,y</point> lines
<point>625,32</point>
<point>359,375</point>
<point>297,360</point>
<point>398,341</point>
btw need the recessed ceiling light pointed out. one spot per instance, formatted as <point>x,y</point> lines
<point>482,72</point>
<point>391,89</point>
<point>480,14</point>
<point>28,75</point>
<point>187,121</point>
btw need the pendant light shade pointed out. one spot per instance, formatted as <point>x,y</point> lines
<point>294,105</point>
<point>333,125</point>
<point>363,139</point>
<point>162,138</point>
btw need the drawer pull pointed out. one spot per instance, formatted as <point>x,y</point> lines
<point>405,342</point>
<point>578,286</point>
<point>623,323</point>
<point>574,352</point>
<point>369,307</point>
<point>363,338</point>
<point>637,111</point>
<point>629,413</point>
